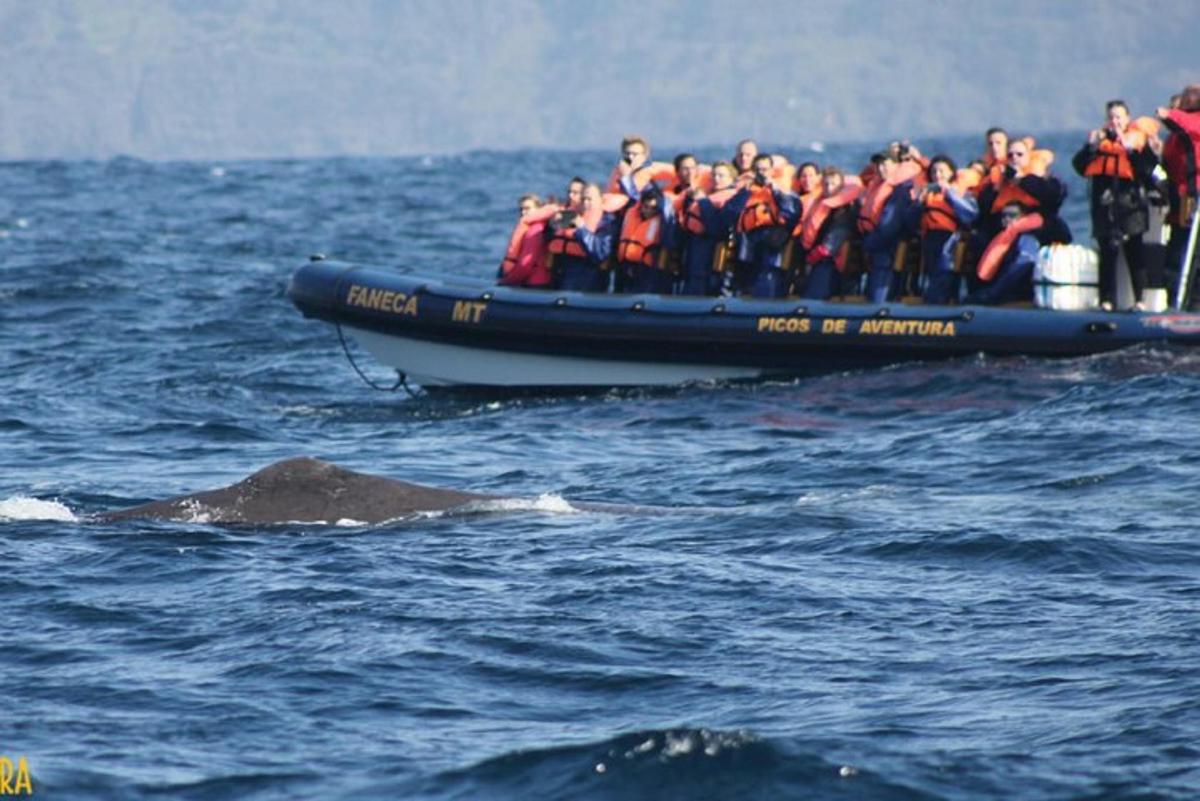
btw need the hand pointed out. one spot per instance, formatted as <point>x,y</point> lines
<point>624,168</point>
<point>1161,112</point>
<point>1094,137</point>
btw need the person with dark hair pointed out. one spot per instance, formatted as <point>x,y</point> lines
<point>766,217</point>
<point>944,209</point>
<point>645,244</point>
<point>1120,162</point>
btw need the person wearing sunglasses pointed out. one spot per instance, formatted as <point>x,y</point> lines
<point>1119,161</point>
<point>1027,181</point>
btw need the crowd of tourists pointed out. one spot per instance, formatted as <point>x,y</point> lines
<point>906,224</point>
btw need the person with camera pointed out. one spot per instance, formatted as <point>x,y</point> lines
<point>882,215</point>
<point>766,216</point>
<point>646,243</point>
<point>1027,181</point>
<point>944,209</point>
<point>634,172</point>
<point>1120,163</point>
<point>580,243</point>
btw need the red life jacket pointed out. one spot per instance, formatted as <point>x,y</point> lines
<point>1009,192</point>
<point>878,192</point>
<point>761,210</point>
<point>643,175</point>
<point>641,239</point>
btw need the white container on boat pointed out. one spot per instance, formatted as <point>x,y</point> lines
<point>1154,300</point>
<point>1067,277</point>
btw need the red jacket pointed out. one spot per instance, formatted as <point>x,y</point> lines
<point>528,265</point>
<point>1181,154</point>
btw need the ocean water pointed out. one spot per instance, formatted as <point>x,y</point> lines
<point>967,580</point>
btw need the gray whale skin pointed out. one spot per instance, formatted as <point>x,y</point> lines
<point>303,490</point>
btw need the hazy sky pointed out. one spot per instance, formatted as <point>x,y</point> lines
<point>233,78</point>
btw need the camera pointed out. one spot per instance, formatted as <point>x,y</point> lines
<point>934,188</point>
<point>1110,134</point>
<point>760,180</point>
<point>565,219</point>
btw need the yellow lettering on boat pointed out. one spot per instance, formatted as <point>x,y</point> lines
<point>908,328</point>
<point>467,311</point>
<point>15,779</point>
<point>784,325</point>
<point>833,326</point>
<point>384,300</point>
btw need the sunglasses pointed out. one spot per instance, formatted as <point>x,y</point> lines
<point>1017,154</point>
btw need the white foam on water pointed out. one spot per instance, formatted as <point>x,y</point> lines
<point>549,502</point>
<point>22,507</point>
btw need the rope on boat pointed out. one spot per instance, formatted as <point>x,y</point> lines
<point>401,377</point>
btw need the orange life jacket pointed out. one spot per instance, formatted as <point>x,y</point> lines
<point>879,190</point>
<point>641,239</point>
<point>563,242</point>
<point>761,210</point>
<point>993,255</point>
<point>688,213</point>
<point>807,201</point>
<point>1010,192</point>
<point>1111,159</point>
<point>937,214</point>
<point>816,215</point>
<point>643,175</point>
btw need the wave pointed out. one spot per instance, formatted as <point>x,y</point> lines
<point>23,507</point>
<point>692,763</point>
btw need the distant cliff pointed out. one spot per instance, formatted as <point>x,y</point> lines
<point>234,78</point>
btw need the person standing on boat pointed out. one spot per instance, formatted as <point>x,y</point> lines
<point>581,242</point>
<point>881,218</point>
<point>1181,159</point>
<point>525,262</point>
<point>766,217</point>
<point>1013,280</point>
<point>944,208</point>
<point>1120,163</point>
<point>825,232</point>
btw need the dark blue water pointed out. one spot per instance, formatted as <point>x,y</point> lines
<point>974,580</point>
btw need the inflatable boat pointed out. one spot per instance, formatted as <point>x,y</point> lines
<point>439,333</point>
